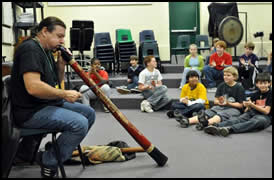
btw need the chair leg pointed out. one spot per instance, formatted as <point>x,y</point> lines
<point>36,150</point>
<point>176,57</point>
<point>81,156</point>
<point>58,156</point>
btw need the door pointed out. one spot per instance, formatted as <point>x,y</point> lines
<point>184,18</point>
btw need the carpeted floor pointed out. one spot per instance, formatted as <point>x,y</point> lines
<point>191,153</point>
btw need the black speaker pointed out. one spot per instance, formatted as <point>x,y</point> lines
<point>75,37</point>
<point>87,38</point>
<point>82,24</point>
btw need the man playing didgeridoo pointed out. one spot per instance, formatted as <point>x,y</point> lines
<point>38,101</point>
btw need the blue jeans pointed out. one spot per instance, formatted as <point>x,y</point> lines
<point>73,119</point>
<point>134,83</point>
<point>187,110</point>
<point>157,97</point>
<point>247,122</point>
<point>211,75</point>
<point>224,112</point>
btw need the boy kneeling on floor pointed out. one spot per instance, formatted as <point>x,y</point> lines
<point>258,112</point>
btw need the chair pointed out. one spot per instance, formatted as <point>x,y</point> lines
<point>23,132</point>
<point>149,48</point>
<point>199,40</point>
<point>145,36</point>
<point>123,36</point>
<point>103,49</point>
<point>183,42</point>
<point>124,47</point>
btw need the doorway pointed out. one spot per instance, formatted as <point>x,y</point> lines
<point>184,19</point>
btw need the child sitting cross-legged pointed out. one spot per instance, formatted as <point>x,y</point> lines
<point>153,90</point>
<point>227,103</point>
<point>258,112</point>
<point>193,98</point>
<point>133,77</point>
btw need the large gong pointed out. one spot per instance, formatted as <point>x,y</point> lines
<point>231,31</point>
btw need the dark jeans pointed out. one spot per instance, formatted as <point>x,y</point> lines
<point>247,122</point>
<point>187,110</point>
<point>212,75</point>
<point>134,83</point>
<point>269,68</point>
<point>246,76</point>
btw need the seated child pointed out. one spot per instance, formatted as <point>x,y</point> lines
<point>228,102</point>
<point>218,61</point>
<point>247,66</point>
<point>258,112</point>
<point>212,50</point>
<point>192,62</point>
<point>193,98</point>
<point>133,76</point>
<point>100,77</point>
<point>269,63</point>
<point>153,90</point>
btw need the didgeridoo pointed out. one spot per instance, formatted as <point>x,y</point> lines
<point>132,149</point>
<point>154,152</point>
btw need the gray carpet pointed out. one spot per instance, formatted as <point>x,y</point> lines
<point>191,153</point>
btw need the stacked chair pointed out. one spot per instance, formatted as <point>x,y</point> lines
<point>183,42</point>
<point>148,46</point>
<point>103,49</point>
<point>124,47</point>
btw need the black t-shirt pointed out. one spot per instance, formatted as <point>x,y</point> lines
<point>29,57</point>
<point>235,93</point>
<point>262,99</point>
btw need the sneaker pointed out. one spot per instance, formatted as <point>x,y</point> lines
<point>122,90</point>
<point>224,131</point>
<point>203,122</point>
<point>170,114</point>
<point>213,130</point>
<point>184,122</point>
<point>199,126</point>
<point>46,172</point>
<point>135,90</point>
<point>177,113</point>
<point>105,109</point>
<point>146,106</point>
<point>212,89</point>
<point>142,106</point>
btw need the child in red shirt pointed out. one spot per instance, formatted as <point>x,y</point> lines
<point>100,77</point>
<point>218,61</point>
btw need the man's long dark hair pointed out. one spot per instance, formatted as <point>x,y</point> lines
<point>49,22</point>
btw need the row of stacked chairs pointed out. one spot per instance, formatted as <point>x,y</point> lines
<point>125,46</point>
